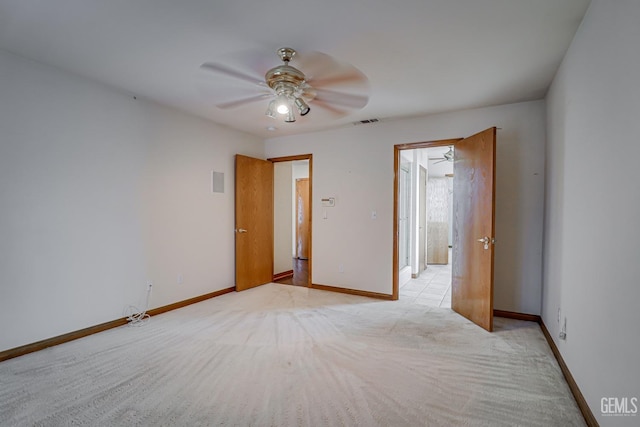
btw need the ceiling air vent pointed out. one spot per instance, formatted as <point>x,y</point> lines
<point>366,122</point>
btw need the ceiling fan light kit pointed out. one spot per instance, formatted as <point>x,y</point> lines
<point>303,107</point>
<point>289,84</point>
<point>271,110</point>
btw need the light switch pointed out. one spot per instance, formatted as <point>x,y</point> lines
<point>374,215</point>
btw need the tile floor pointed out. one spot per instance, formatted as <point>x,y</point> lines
<point>432,288</point>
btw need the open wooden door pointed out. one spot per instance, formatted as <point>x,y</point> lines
<point>254,222</point>
<point>473,228</point>
<point>302,218</point>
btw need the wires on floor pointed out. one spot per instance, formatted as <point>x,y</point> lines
<point>135,317</point>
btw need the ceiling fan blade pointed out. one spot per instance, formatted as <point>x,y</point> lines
<point>314,63</point>
<point>322,69</point>
<point>437,158</point>
<point>219,68</point>
<point>239,102</point>
<point>337,112</point>
<point>340,98</point>
<point>349,77</point>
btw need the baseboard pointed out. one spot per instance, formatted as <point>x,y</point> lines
<point>589,418</point>
<point>184,303</point>
<point>352,292</point>
<point>283,275</point>
<point>517,316</point>
<point>61,339</point>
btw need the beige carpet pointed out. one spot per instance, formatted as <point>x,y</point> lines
<point>281,355</point>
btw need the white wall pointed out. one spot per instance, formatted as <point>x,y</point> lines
<point>592,237</point>
<point>101,192</point>
<point>283,214</point>
<point>355,164</point>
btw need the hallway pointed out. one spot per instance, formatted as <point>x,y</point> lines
<point>300,274</point>
<point>432,287</point>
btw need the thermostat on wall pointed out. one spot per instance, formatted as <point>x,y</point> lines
<point>328,202</point>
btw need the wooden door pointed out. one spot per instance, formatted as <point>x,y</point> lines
<point>302,218</point>
<point>422,230</point>
<point>254,222</point>
<point>473,212</point>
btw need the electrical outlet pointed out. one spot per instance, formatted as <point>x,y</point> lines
<point>180,279</point>
<point>149,285</point>
<point>558,315</point>
<point>563,331</point>
<point>341,268</point>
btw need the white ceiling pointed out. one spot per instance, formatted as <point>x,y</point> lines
<point>420,56</point>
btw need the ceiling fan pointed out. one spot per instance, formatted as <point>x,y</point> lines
<point>291,89</point>
<point>446,157</point>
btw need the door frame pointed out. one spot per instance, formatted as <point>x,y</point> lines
<point>396,181</point>
<point>310,158</point>
<point>422,219</point>
<point>296,219</point>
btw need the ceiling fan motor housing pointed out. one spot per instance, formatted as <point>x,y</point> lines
<point>285,79</point>
<point>284,74</point>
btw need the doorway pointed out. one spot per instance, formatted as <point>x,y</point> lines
<point>425,198</point>
<point>292,221</point>
<point>473,223</point>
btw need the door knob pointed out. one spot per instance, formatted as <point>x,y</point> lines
<point>240,230</point>
<point>486,240</point>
